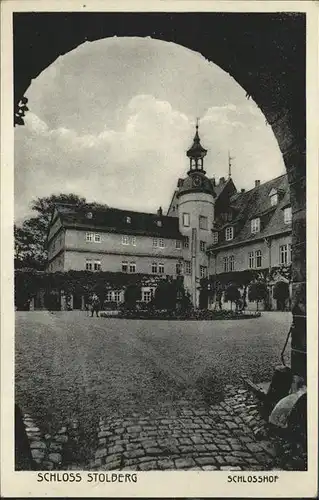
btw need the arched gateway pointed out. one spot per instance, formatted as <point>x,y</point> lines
<point>265,53</point>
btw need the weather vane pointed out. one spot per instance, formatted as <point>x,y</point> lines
<point>230,158</point>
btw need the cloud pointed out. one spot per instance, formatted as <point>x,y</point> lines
<point>111,166</point>
<point>137,165</point>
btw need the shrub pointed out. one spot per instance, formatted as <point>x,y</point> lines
<point>132,294</point>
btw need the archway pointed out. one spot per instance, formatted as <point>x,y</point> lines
<point>262,57</point>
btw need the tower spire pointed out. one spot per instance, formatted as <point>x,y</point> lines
<point>196,153</point>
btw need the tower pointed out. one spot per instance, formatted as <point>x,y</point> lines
<point>196,215</point>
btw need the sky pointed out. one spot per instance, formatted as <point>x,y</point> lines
<point>112,120</point>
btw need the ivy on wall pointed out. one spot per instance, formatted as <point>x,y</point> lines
<point>28,282</point>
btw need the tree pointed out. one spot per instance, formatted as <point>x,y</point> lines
<point>29,244</point>
<point>257,292</point>
<point>20,110</point>
<point>44,206</point>
<point>30,237</point>
<point>281,294</point>
<point>232,294</point>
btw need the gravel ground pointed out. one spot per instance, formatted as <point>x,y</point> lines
<point>68,364</point>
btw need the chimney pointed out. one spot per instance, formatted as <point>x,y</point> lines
<point>257,183</point>
<point>160,212</point>
<point>242,190</point>
<point>222,180</point>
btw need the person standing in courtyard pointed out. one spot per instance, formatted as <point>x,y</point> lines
<point>95,305</point>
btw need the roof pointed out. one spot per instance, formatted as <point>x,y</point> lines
<point>255,203</point>
<point>196,150</point>
<point>204,184</point>
<point>104,218</point>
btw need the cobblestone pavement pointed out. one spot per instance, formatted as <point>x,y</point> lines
<point>230,435</point>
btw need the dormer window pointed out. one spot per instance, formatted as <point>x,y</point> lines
<point>128,220</point>
<point>287,215</point>
<point>273,195</point>
<point>255,225</point>
<point>89,215</point>
<point>229,233</point>
<point>159,223</point>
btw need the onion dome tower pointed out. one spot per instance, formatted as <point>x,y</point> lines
<point>196,203</point>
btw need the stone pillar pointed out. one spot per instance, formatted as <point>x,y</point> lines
<point>63,301</point>
<point>297,182</point>
<point>290,131</point>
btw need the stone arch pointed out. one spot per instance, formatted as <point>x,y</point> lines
<point>264,53</point>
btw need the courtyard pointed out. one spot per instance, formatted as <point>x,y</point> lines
<point>71,366</point>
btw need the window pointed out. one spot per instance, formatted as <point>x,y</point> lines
<point>202,246</point>
<point>287,215</point>
<point>203,271</point>
<point>128,220</point>
<point>117,296</point>
<point>273,197</point>
<point>289,253</point>
<point>159,223</point>
<point>229,233</point>
<point>97,265</point>
<point>283,254</point>
<point>154,268</point>
<point>161,268</point>
<point>258,258</point>
<point>188,267</point>
<point>255,225</point>
<point>229,263</point>
<point>155,242</point>
<point>178,244</point>
<point>125,240</point>
<point>178,268</point>
<point>146,296</point>
<point>124,267</point>
<point>97,238</point>
<point>89,265</point>
<point>215,238</point>
<point>251,260</point>
<point>255,259</point>
<point>132,267</point>
<point>161,243</point>
<point>186,242</point>
<point>108,296</point>
<point>133,241</point>
<point>203,223</point>
<point>186,220</point>
<point>225,261</point>
<point>89,236</point>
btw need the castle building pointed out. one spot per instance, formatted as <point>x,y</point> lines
<point>210,229</point>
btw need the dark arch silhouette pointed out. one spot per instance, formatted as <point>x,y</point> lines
<point>265,53</point>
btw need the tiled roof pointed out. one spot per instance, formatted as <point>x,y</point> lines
<point>104,218</point>
<point>256,203</point>
<point>219,187</point>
